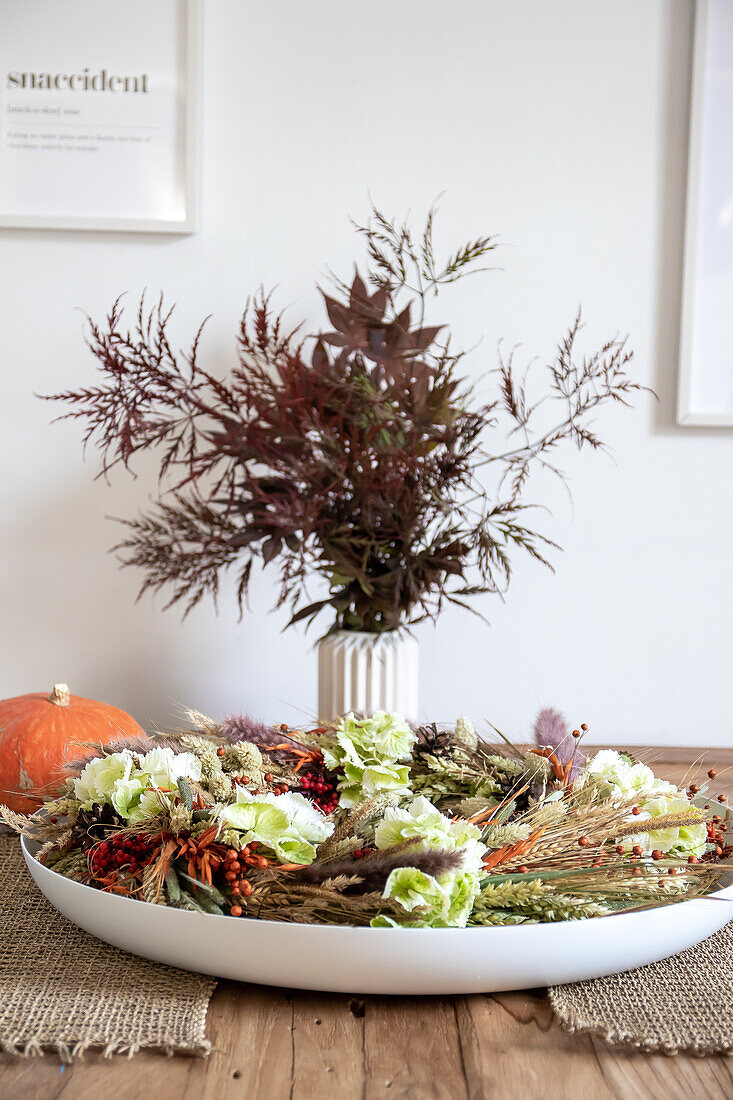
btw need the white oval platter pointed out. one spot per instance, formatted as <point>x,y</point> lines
<point>385,960</point>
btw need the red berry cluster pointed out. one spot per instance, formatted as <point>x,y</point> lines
<point>320,787</point>
<point>359,853</point>
<point>120,850</point>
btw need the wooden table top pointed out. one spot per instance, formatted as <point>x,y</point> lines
<point>273,1044</point>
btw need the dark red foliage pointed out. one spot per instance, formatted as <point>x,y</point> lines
<point>351,457</point>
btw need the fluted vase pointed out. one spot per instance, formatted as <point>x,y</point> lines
<point>364,673</point>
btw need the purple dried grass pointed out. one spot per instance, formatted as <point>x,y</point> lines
<point>240,727</point>
<point>551,729</point>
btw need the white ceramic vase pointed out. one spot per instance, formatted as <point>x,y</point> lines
<point>364,673</point>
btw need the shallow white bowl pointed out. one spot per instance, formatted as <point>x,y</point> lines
<point>385,960</point>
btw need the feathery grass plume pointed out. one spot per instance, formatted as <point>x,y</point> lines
<point>548,813</point>
<point>693,816</point>
<point>340,849</point>
<point>499,917</point>
<point>513,895</point>
<point>491,761</point>
<point>201,722</point>
<point>551,729</point>
<point>476,804</point>
<point>151,890</point>
<point>240,727</point>
<point>375,870</point>
<point>73,864</point>
<point>315,903</point>
<point>213,776</point>
<point>537,770</point>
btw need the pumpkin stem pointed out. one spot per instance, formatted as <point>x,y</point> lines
<point>60,696</point>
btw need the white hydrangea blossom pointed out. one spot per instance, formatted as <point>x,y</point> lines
<point>619,778</point>
<point>96,781</point>
<point>164,767</point>
<point>465,733</point>
<point>123,779</point>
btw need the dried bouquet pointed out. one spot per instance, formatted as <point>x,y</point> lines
<point>358,457</point>
<point>375,822</point>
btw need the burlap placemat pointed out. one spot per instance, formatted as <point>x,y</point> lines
<point>684,1003</point>
<point>61,989</point>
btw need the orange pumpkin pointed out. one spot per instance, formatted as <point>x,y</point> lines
<point>40,735</point>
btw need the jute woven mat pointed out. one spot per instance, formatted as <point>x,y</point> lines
<point>680,1004</point>
<point>63,990</point>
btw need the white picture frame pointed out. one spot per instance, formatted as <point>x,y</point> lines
<point>185,97</point>
<point>705,386</point>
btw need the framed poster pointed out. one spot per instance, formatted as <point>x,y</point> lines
<point>99,114</point>
<point>705,394</point>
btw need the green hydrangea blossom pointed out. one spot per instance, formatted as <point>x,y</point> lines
<point>165,767</point>
<point>447,898</point>
<point>373,753</point>
<point>126,794</point>
<point>444,901</point>
<point>149,806</point>
<point>414,889</point>
<point>287,824</point>
<point>361,783</point>
<point>421,819</point>
<point>617,776</point>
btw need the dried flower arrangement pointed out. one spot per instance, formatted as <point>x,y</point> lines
<point>359,457</point>
<point>374,822</point>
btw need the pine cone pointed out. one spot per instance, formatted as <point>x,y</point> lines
<point>432,741</point>
<point>91,825</point>
<point>509,786</point>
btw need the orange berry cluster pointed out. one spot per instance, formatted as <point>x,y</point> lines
<point>717,828</point>
<point>235,872</point>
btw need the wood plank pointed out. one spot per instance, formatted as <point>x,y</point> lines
<point>95,1077</point>
<point>513,1047</point>
<point>252,1033</point>
<point>412,1049</point>
<point>678,754</point>
<point>632,1075</point>
<point>328,1034</point>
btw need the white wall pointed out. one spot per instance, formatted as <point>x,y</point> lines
<point>561,126</point>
